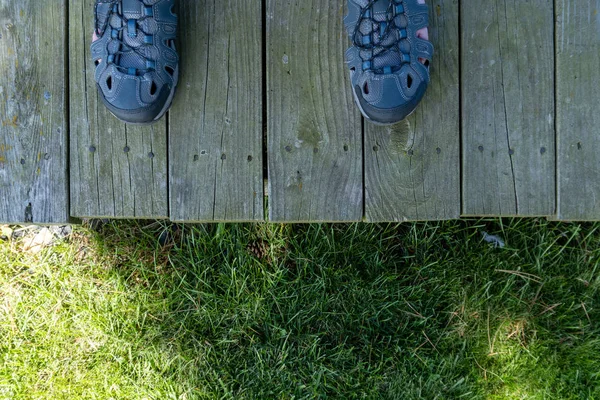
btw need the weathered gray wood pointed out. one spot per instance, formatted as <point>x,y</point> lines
<point>117,171</point>
<point>33,156</point>
<point>215,133</point>
<point>412,169</point>
<point>507,94</point>
<point>578,108</point>
<point>314,129</point>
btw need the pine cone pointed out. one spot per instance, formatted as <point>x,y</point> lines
<point>258,248</point>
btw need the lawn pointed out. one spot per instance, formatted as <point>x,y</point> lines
<point>146,310</point>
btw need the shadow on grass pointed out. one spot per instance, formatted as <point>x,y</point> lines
<point>377,311</point>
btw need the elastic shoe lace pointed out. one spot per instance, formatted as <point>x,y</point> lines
<point>377,47</point>
<point>117,36</point>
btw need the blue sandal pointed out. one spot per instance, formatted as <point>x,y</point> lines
<point>137,65</point>
<point>389,64</point>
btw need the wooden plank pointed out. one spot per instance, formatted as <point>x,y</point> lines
<point>508,140</point>
<point>412,169</point>
<point>117,170</point>
<point>314,129</point>
<point>215,135</point>
<point>33,157</point>
<point>578,108</point>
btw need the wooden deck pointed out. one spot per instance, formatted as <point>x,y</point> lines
<point>264,127</point>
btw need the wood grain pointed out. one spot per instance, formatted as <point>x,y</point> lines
<point>216,127</point>
<point>578,108</point>
<point>33,152</point>
<point>508,143</point>
<point>412,169</point>
<point>314,129</point>
<point>116,170</point>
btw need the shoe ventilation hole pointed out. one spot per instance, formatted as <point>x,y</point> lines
<point>426,63</point>
<point>169,70</point>
<point>409,81</point>
<point>153,88</point>
<point>97,62</point>
<point>366,88</point>
<point>109,82</point>
<point>170,43</point>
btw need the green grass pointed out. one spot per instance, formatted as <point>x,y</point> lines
<point>409,311</point>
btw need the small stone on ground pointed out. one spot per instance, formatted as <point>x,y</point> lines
<point>39,241</point>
